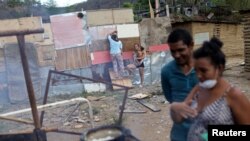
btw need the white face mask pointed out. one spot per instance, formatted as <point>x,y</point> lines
<point>208,84</point>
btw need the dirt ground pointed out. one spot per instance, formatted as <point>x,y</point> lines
<point>146,126</point>
<point>155,126</point>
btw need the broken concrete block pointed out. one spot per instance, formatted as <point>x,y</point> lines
<point>94,87</point>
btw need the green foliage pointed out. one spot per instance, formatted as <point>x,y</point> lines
<point>70,9</point>
<point>239,4</point>
<point>50,3</point>
<point>14,3</point>
<point>218,2</point>
<point>127,5</point>
<point>143,4</point>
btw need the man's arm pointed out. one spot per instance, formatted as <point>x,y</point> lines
<point>114,32</point>
<point>166,86</point>
<point>121,46</point>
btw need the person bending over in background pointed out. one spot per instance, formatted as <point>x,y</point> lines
<point>138,58</point>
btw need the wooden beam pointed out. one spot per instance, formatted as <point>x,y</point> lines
<point>17,120</point>
<point>21,32</point>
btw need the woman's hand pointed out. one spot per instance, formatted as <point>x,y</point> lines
<point>182,110</point>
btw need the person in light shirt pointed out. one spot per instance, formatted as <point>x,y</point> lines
<point>116,54</point>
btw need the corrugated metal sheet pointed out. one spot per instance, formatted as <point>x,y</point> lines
<point>4,98</point>
<point>15,76</point>
<point>72,58</point>
<point>128,30</point>
<point>66,80</point>
<point>67,30</point>
<point>101,57</point>
<point>101,72</point>
<point>2,63</point>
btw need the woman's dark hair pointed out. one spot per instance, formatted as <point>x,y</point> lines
<point>212,50</point>
<point>141,47</point>
<point>180,35</point>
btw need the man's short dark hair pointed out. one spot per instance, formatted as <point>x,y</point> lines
<point>180,35</point>
<point>80,15</point>
<point>114,37</point>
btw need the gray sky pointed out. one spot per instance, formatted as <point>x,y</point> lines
<point>62,3</point>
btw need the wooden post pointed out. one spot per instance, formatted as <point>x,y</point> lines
<point>29,85</point>
<point>151,10</point>
<point>157,6</point>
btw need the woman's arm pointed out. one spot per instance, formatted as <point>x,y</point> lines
<point>135,59</point>
<point>142,56</point>
<point>182,110</point>
<point>240,106</point>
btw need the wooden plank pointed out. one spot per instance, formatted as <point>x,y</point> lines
<point>119,82</point>
<point>122,81</point>
<point>246,30</point>
<point>86,57</point>
<point>81,57</point>
<point>78,59</point>
<point>2,63</point>
<point>45,55</point>
<point>127,82</point>
<point>70,58</point>
<point>60,60</point>
<point>246,33</point>
<point>246,39</point>
<point>134,111</point>
<point>128,43</point>
<point>149,106</point>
